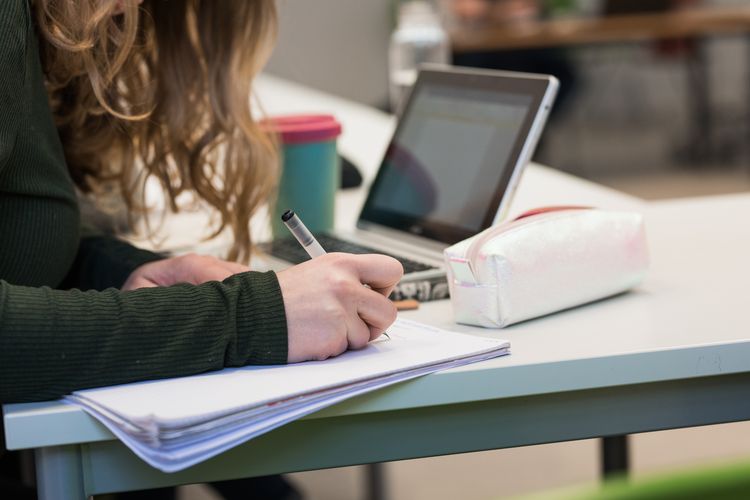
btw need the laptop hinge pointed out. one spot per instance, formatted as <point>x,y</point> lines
<point>403,239</point>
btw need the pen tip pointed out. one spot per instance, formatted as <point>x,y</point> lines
<point>288,214</point>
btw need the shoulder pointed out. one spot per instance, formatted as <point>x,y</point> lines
<point>15,26</point>
<point>15,20</point>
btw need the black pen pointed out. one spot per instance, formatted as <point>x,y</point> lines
<point>302,234</point>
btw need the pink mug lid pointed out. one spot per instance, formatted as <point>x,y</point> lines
<point>299,129</point>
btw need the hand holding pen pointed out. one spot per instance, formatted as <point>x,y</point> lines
<point>327,309</point>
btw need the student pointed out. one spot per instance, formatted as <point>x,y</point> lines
<point>165,84</point>
<point>101,95</point>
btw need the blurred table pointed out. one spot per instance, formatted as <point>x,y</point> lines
<point>598,30</point>
<point>701,144</point>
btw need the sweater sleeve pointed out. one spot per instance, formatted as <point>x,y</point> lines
<point>55,341</point>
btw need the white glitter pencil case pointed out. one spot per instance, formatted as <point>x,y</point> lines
<point>544,261</point>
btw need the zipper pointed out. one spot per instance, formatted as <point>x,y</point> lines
<point>526,218</point>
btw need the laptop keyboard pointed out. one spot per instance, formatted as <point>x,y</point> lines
<point>290,250</point>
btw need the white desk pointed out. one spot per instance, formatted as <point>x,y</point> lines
<point>675,353</point>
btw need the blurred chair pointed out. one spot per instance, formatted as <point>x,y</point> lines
<point>700,145</point>
<point>706,483</point>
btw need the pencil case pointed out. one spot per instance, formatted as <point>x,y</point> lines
<point>544,261</point>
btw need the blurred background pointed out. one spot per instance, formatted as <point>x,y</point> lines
<point>656,117</point>
<point>655,102</point>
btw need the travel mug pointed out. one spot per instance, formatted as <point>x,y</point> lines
<point>310,171</point>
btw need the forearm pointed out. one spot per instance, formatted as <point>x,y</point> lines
<point>53,342</point>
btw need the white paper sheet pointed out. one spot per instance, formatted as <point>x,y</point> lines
<point>175,423</point>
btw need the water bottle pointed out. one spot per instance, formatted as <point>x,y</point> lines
<point>418,38</point>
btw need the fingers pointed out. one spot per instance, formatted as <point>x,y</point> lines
<point>357,332</point>
<point>380,272</point>
<point>368,314</point>
<point>373,313</point>
<point>376,311</point>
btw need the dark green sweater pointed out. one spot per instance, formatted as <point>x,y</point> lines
<point>55,338</point>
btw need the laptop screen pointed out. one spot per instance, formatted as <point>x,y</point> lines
<point>451,158</point>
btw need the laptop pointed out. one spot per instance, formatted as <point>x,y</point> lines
<point>450,170</point>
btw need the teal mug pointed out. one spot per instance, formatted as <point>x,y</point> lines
<point>310,171</point>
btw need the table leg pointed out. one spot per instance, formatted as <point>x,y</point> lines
<point>28,469</point>
<point>59,474</point>
<point>700,147</point>
<point>614,456</point>
<point>375,481</point>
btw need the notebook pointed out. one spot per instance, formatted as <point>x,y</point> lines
<point>449,171</point>
<point>175,423</point>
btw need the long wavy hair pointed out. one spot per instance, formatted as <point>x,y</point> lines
<point>162,90</point>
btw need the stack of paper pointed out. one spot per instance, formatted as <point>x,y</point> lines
<point>173,424</point>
